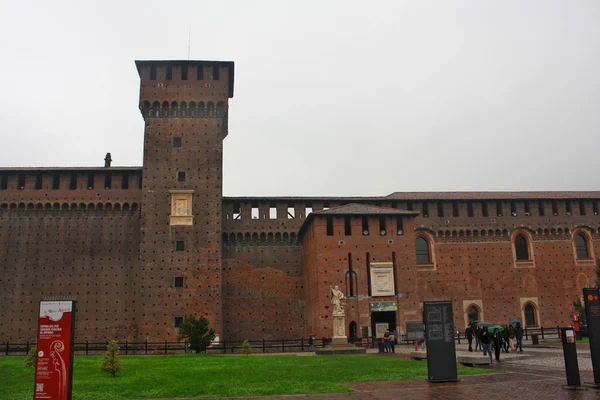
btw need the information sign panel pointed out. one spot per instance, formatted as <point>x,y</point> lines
<point>592,312</point>
<point>441,349</point>
<point>54,367</point>
<point>414,330</point>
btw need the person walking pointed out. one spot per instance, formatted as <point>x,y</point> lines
<point>497,339</point>
<point>511,337</point>
<point>393,341</point>
<point>386,342</point>
<point>519,336</point>
<point>505,337</point>
<point>486,342</point>
<point>311,343</point>
<point>478,346</point>
<point>469,336</point>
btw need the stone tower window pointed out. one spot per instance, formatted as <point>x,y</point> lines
<point>530,315</point>
<point>521,248</point>
<point>581,246</point>
<point>422,249</point>
<point>177,142</point>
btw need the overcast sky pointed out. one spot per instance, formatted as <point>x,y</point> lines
<point>331,97</point>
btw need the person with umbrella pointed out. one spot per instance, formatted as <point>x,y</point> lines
<point>519,335</point>
<point>497,339</point>
<point>486,342</point>
<point>469,336</point>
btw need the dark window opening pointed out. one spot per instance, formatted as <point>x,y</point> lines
<point>541,208</point>
<point>329,226</point>
<point>399,225</point>
<point>581,207</point>
<point>140,181</point>
<point>469,208</point>
<point>177,321</point>
<point>90,180</point>
<point>581,246</point>
<point>200,72</point>
<point>273,211</point>
<point>177,142</point>
<point>73,182</point>
<point>38,181</point>
<point>56,181</point>
<point>422,249</point>
<point>108,180</point>
<point>513,208</point>
<point>484,209</point>
<point>473,314</point>
<point>180,245</point>
<point>351,278</point>
<point>215,72</point>
<point>326,205</point>
<point>347,226</point>
<point>425,209</point>
<point>382,228</point>
<point>178,281</point>
<point>527,208</point>
<point>529,315</point>
<point>595,207</point>
<point>440,207</point>
<point>291,211</point>
<point>569,207</point>
<point>153,72</point>
<point>521,248</point>
<point>365,225</point>
<point>21,179</point>
<point>169,72</point>
<point>368,261</point>
<point>125,180</point>
<point>237,210</point>
<point>254,211</point>
<point>184,72</point>
<point>554,207</point>
<point>4,181</point>
<point>455,209</point>
<point>409,205</point>
<point>181,176</point>
<point>499,208</point>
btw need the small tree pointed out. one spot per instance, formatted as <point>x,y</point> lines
<point>110,361</point>
<point>246,348</point>
<point>31,357</point>
<point>580,310</point>
<point>196,332</point>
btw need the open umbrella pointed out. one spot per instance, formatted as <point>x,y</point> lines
<point>514,322</point>
<point>492,328</point>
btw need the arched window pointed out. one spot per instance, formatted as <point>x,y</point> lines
<point>530,315</point>
<point>473,314</point>
<point>581,246</point>
<point>521,248</point>
<point>351,283</point>
<point>353,329</point>
<point>422,248</point>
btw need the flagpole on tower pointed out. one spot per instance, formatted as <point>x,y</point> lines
<point>189,41</point>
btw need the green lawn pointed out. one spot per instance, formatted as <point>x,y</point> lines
<point>584,340</point>
<point>217,376</point>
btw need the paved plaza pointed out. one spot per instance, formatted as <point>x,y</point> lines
<point>537,373</point>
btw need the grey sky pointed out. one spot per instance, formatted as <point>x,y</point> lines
<point>331,97</point>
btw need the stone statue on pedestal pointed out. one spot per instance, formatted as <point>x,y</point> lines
<point>336,300</point>
<point>339,317</point>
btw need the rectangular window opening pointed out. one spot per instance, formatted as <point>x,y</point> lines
<point>554,208</point>
<point>569,207</point>
<point>399,226</point>
<point>527,208</point>
<point>90,181</point>
<point>484,209</point>
<point>237,210</point>
<point>184,72</point>
<point>169,72</point>
<point>513,208</point>
<point>541,208</point>
<point>199,72</point>
<point>272,211</point>
<point>38,181</point>
<point>153,72</point>
<point>329,226</point>
<point>455,208</point>
<point>177,321</point>
<point>469,208</point>
<point>216,72</point>
<point>347,225</point>
<point>56,181</point>
<point>180,176</point>
<point>581,207</point>
<point>73,181</point>
<point>365,225</point>
<point>180,245</point>
<point>440,207</point>
<point>409,206</point>
<point>291,212</point>
<point>499,208</point>
<point>125,180</point>
<point>255,213</point>
<point>594,206</point>
<point>351,279</point>
<point>382,228</point>
<point>177,142</point>
<point>108,180</point>
<point>21,178</point>
<point>425,209</point>
<point>308,209</point>
<point>3,181</point>
<point>326,205</point>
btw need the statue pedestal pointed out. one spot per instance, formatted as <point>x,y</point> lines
<point>339,330</point>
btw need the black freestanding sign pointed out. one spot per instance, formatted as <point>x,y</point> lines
<point>592,313</point>
<point>439,334</point>
<point>570,353</point>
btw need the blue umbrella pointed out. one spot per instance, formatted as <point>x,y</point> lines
<point>514,321</point>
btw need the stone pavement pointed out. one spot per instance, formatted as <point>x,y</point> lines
<point>519,379</point>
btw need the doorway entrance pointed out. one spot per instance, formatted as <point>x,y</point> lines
<point>383,317</point>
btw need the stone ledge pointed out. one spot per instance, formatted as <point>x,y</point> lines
<point>418,355</point>
<point>474,360</point>
<point>331,350</point>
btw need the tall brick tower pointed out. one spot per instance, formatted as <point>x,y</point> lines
<point>184,105</point>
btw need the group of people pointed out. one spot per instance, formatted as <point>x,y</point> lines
<point>510,338</point>
<point>389,341</point>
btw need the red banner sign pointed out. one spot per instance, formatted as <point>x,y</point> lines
<point>54,367</point>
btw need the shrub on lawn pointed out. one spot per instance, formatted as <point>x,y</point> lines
<point>111,362</point>
<point>196,332</point>
<point>246,349</point>
<point>31,357</point>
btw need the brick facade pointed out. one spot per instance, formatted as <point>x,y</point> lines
<point>115,239</point>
